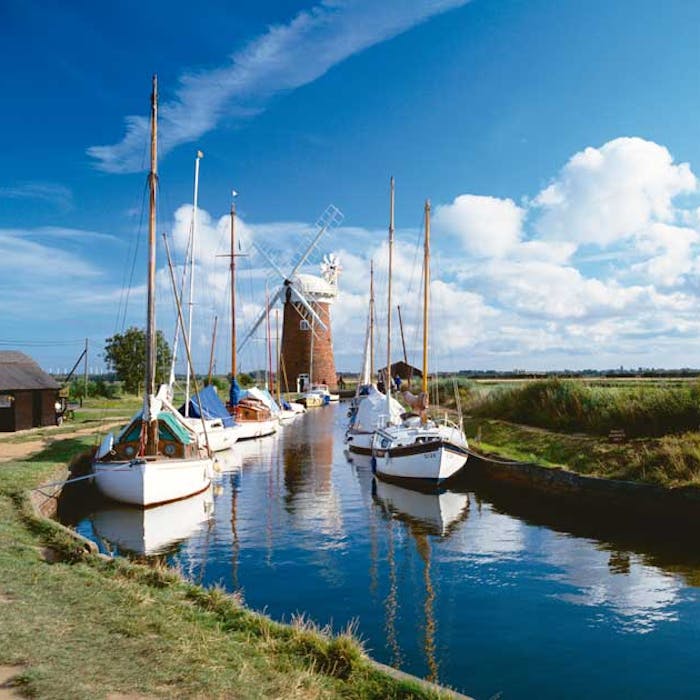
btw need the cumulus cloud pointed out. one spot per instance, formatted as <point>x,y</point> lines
<point>670,253</point>
<point>614,192</point>
<point>284,58</point>
<point>486,226</point>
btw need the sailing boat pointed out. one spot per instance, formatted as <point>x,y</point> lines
<point>213,419</point>
<point>158,457</point>
<point>368,410</point>
<point>253,409</point>
<point>421,448</point>
<point>373,409</point>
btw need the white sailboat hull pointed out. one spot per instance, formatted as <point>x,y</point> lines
<point>249,430</point>
<point>220,437</point>
<point>144,482</point>
<point>429,454</point>
<point>359,442</point>
<point>286,416</point>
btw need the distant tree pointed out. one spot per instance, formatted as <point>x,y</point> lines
<point>125,353</point>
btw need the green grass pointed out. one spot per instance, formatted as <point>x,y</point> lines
<point>669,461</point>
<point>641,410</point>
<point>82,627</point>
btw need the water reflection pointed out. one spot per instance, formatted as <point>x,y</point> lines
<point>152,531</point>
<point>446,584</point>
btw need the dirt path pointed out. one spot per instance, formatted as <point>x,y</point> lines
<point>10,451</point>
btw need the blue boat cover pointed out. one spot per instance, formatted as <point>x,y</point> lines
<point>235,393</point>
<point>212,407</point>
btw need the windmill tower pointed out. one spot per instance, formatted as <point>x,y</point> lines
<point>307,344</point>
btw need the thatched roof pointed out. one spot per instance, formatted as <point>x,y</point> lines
<point>18,371</point>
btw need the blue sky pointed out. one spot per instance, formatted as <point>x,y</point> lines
<point>556,141</point>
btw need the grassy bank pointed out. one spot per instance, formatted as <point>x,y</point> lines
<point>574,406</point>
<point>669,461</point>
<point>78,626</point>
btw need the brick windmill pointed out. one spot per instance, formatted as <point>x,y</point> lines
<point>307,345</point>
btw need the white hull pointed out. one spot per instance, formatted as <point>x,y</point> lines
<point>414,452</point>
<point>220,437</point>
<point>285,416</point>
<point>154,530</point>
<point>359,442</point>
<point>251,429</point>
<point>148,482</point>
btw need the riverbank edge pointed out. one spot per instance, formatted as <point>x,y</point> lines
<point>559,481</point>
<point>68,545</point>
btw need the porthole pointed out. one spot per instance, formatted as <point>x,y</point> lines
<point>169,449</point>
<point>129,450</point>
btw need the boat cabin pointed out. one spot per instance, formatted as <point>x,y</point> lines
<point>173,439</point>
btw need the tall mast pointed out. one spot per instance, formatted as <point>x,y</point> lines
<point>151,308</point>
<point>371,320</point>
<point>193,234</point>
<point>426,297</point>
<point>387,377</point>
<point>277,354</point>
<point>233,291</point>
<point>268,349</point>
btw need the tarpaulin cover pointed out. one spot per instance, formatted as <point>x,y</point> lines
<point>235,393</point>
<point>212,407</point>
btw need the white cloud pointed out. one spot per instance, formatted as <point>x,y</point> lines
<point>58,195</point>
<point>486,226</point>
<point>670,248</point>
<point>286,57</point>
<point>610,193</point>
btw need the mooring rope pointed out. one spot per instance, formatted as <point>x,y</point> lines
<point>493,460</point>
<point>63,483</point>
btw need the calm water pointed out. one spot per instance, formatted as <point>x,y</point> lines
<point>492,594</point>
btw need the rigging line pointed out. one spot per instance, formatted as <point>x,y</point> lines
<point>126,288</point>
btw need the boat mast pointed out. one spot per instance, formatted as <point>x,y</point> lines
<point>426,300</point>
<point>151,309</point>
<point>268,343</point>
<point>387,377</point>
<point>233,291</point>
<point>371,320</point>
<point>193,236</point>
<point>211,352</point>
<point>151,446</point>
<point>277,355</point>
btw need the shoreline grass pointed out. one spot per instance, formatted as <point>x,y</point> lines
<point>671,461</point>
<point>84,627</point>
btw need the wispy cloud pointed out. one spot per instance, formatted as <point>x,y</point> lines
<point>57,195</point>
<point>284,58</point>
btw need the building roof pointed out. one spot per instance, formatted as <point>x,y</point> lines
<point>403,370</point>
<point>18,371</point>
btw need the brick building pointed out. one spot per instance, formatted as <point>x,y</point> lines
<point>27,394</point>
<point>307,347</point>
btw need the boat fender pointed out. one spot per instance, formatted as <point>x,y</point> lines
<point>374,464</point>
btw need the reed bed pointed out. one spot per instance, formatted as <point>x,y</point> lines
<point>573,406</point>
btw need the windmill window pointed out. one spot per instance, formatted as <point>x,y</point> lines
<point>304,325</point>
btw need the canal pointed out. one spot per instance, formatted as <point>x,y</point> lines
<point>489,592</point>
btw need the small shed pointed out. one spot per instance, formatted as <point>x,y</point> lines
<point>403,370</point>
<point>28,395</point>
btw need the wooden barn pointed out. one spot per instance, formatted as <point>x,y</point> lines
<point>403,370</point>
<point>28,395</point>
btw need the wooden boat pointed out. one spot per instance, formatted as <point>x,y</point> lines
<point>421,448</point>
<point>157,458</point>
